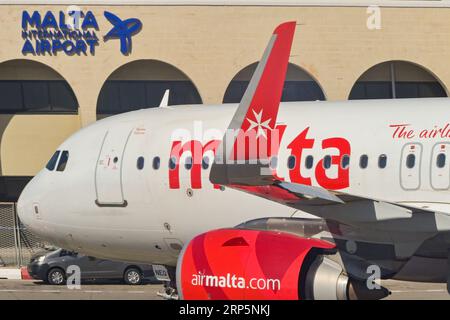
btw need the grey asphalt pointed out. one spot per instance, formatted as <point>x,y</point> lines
<point>30,290</point>
<point>404,290</point>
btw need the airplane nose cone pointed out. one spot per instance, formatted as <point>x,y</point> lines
<point>25,205</point>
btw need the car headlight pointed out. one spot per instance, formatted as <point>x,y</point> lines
<point>41,259</point>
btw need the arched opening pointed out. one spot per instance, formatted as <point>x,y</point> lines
<point>396,79</point>
<point>141,84</point>
<point>32,87</point>
<point>298,86</point>
<point>38,110</point>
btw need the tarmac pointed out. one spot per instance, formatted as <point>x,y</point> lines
<point>33,290</point>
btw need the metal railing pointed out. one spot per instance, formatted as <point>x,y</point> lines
<point>17,243</point>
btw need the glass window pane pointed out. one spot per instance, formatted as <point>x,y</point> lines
<point>52,162</point>
<point>302,91</point>
<point>132,95</point>
<point>363,161</point>
<point>358,91</point>
<point>183,92</point>
<point>156,163</point>
<point>371,90</point>
<point>35,95</point>
<point>140,163</point>
<point>291,162</point>
<point>188,163</point>
<point>382,161</point>
<point>309,162</point>
<point>440,160</point>
<point>407,89</point>
<point>410,161</point>
<point>172,163</point>
<point>108,100</point>
<point>63,161</point>
<point>62,97</point>
<point>378,90</point>
<point>235,91</point>
<point>11,96</point>
<point>205,163</point>
<point>292,91</point>
<point>327,162</point>
<point>431,89</point>
<point>345,161</point>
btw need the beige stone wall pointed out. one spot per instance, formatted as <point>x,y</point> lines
<point>294,73</point>
<point>147,70</point>
<point>210,44</point>
<point>28,141</point>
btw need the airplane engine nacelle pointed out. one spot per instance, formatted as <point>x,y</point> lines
<point>252,264</point>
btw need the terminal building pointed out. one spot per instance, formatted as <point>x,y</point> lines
<point>66,64</point>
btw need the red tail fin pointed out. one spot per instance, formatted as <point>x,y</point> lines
<point>252,134</point>
<point>266,98</point>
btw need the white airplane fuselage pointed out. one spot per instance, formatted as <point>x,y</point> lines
<point>110,208</point>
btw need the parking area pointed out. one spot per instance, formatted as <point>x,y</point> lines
<point>31,290</point>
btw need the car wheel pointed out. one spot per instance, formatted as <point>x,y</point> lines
<point>56,277</point>
<point>133,276</point>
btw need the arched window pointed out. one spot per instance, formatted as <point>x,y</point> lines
<point>32,87</point>
<point>299,85</point>
<point>141,84</point>
<point>396,79</point>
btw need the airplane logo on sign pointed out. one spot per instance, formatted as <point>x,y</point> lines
<point>122,30</point>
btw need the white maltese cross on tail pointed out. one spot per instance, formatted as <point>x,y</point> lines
<point>259,124</point>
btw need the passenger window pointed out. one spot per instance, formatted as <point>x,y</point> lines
<point>188,163</point>
<point>410,161</point>
<point>440,160</point>
<point>172,163</point>
<point>382,161</point>
<point>140,163</point>
<point>327,162</point>
<point>52,162</point>
<point>205,163</point>
<point>291,162</point>
<point>345,161</point>
<point>156,163</point>
<point>309,161</point>
<point>363,161</point>
<point>63,161</point>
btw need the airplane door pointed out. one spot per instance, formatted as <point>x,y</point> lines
<point>410,166</point>
<point>108,172</point>
<point>440,166</point>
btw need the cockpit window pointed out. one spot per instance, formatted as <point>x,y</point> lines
<point>52,162</point>
<point>63,161</point>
